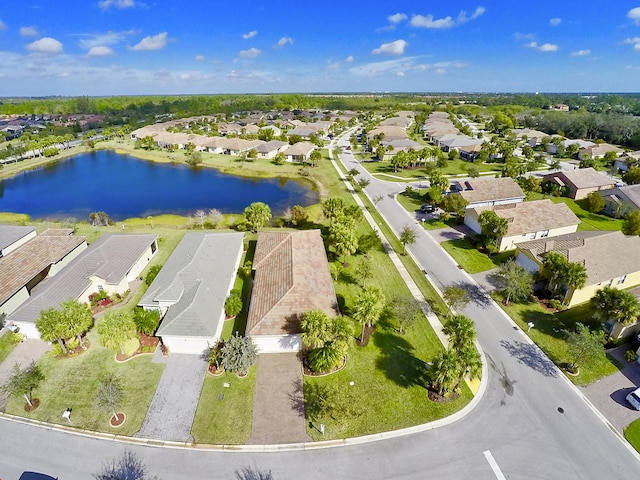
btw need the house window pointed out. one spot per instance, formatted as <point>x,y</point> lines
<point>621,279</point>
<point>100,288</point>
<point>532,236</point>
<point>544,233</point>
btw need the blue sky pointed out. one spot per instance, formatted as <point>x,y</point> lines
<point>114,47</point>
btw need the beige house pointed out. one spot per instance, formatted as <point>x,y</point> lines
<point>581,181</point>
<point>109,264</point>
<point>489,191</point>
<point>41,257</point>
<point>271,149</point>
<point>527,221</point>
<point>598,151</point>
<point>611,259</point>
<point>291,277</point>
<point>299,152</point>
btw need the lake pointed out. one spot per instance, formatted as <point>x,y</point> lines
<point>126,187</point>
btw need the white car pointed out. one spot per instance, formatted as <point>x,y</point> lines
<point>634,398</point>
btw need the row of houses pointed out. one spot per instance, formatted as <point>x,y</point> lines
<point>441,131</point>
<point>290,276</point>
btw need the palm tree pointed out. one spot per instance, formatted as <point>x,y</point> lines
<point>368,308</point>
<point>445,372</point>
<point>574,276</point>
<point>461,331</point>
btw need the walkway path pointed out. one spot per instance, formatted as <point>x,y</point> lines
<point>174,404</point>
<point>278,407</point>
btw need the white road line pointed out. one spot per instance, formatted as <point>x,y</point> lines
<point>494,465</point>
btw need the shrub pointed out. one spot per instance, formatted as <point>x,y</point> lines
<point>233,305</point>
<point>152,274</point>
<point>96,298</point>
<point>238,354</point>
<point>630,355</point>
<point>557,304</point>
<point>146,320</point>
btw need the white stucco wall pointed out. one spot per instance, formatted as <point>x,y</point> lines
<point>509,242</point>
<point>15,301</point>
<point>188,345</point>
<point>56,267</point>
<point>18,243</point>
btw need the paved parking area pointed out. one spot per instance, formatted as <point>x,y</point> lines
<point>608,394</point>
<point>174,404</point>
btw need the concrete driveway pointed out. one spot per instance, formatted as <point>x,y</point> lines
<point>608,394</point>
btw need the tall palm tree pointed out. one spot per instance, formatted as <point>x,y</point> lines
<point>446,372</point>
<point>574,276</point>
<point>461,331</point>
<point>368,307</point>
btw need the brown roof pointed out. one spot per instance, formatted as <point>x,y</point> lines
<point>582,178</point>
<point>491,189</point>
<point>291,277</point>
<point>528,217</point>
<point>606,255</point>
<point>21,266</point>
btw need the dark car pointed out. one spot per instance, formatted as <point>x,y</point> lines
<point>36,476</point>
<point>427,208</point>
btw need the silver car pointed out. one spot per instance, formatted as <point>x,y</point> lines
<point>634,398</point>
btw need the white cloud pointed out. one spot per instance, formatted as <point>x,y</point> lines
<point>152,42</point>
<point>524,36</point>
<point>199,58</point>
<point>635,41</point>
<point>428,21</point>
<point>102,39</point>
<point>46,45</point>
<point>634,15</point>
<point>250,34</point>
<point>28,31</point>
<point>402,66</point>
<point>2,25</point>
<point>101,51</point>
<point>397,18</point>
<point>107,4</point>
<point>554,22</point>
<point>581,53</point>
<point>400,74</point>
<point>251,53</point>
<point>284,41</point>
<point>349,59</point>
<point>545,47</point>
<point>393,48</point>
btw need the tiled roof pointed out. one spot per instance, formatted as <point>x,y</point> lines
<point>22,265</point>
<point>110,257</point>
<point>195,281</point>
<point>535,216</point>
<point>605,254</point>
<point>582,178</point>
<point>270,146</point>
<point>630,192</point>
<point>291,277</point>
<point>300,148</point>
<point>9,234</point>
<point>491,189</point>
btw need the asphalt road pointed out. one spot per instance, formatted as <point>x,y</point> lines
<point>530,423</point>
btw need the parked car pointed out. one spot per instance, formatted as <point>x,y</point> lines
<point>36,476</point>
<point>634,398</point>
<point>427,208</point>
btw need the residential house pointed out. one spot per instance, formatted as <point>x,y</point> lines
<point>488,191</point>
<point>299,152</point>
<point>291,277</point>
<point>610,258</point>
<point>109,264</point>
<point>598,151</point>
<point>13,237</point>
<point>191,289</point>
<point>41,257</point>
<point>532,137</point>
<point>582,144</point>
<point>580,182</point>
<point>619,201</point>
<point>622,163</point>
<point>527,221</point>
<point>271,149</point>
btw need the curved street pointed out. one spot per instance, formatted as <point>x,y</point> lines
<point>531,422</point>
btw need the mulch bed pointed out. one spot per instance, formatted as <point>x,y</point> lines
<point>368,331</point>
<point>35,403</point>
<point>145,341</point>
<point>73,352</point>
<point>436,397</point>
<point>117,421</point>
<point>215,371</point>
<point>310,373</point>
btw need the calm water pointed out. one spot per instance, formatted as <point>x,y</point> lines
<point>126,187</point>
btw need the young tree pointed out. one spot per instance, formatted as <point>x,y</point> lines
<point>315,157</point>
<point>200,216</point>
<point>595,202</point>
<point>332,208</point>
<point>146,321</point>
<point>584,345</point>
<point>238,354</point>
<point>298,215</point>
<point>363,269</point>
<point>492,226</point>
<point>117,329</point>
<point>445,372</point>
<point>516,282</point>
<point>553,266</point>
<point>233,305</point>
<point>631,224</point>
<point>76,318</point>
<point>23,381</point>
<point>454,204</point>
<point>617,305</point>
<point>455,297</point>
<point>214,217</point>
<point>461,332</point>
<point>407,237</point>
<point>257,215</point>
<point>325,339</point>
<point>50,326</point>
<point>368,307</point>
<point>109,395</point>
<point>438,180</point>
<point>343,239</point>
<point>405,309</point>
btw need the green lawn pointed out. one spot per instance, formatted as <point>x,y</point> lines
<point>73,382</point>
<point>632,434</point>
<point>548,334</point>
<point>227,420</point>
<point>470,259</point>
<point>8,342</point>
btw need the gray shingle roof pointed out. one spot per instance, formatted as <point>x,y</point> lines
<point>582,178</point>
<point>9,234</point>
<point>110,257</point>
<point>195,279</point>
<point>492,189</point>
